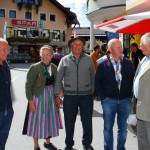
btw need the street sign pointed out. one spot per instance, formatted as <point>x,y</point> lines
<point>40,24</point>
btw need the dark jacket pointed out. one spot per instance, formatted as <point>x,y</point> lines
<point>105,81</point>
<point>136,57</point>
<point>5,82</point>
<point>56,58</point>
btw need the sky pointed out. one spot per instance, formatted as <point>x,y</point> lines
<point>78,7</point>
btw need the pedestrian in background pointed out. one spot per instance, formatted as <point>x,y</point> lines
<point>76,70</point>
<point>44,118</point>
<point>6,110</point>
<point>113,82</point>
<point>136,54</point>
<point>141,92</point>
<point>95,55</point>
<point>57,56</point>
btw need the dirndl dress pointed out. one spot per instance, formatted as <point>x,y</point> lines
<point>46,120</point>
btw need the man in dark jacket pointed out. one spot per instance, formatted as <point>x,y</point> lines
<point>6,110</point>
<point>113,83</point>
<point>136,55</point>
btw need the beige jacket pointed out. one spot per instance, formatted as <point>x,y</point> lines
<point>143,102</point>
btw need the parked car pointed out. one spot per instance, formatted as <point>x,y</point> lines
<point>18,57</point>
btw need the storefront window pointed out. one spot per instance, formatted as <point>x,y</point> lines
<point>22,32</point>
<point>45,33</point>
<point>56,35</point>
<point>33,32</point>
<point>64,36</point>
<point>126,44</point>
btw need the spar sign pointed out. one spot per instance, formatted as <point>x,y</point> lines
<point>16,22</point>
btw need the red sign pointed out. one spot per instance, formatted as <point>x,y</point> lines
<point>17,22</point>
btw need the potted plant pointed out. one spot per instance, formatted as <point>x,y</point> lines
<point>28,6</point>
<point>20,5</point>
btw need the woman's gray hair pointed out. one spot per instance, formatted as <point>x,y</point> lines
<point>145,39</point>
<point>46,47</point>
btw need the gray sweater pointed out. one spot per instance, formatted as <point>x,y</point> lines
<point>78,79</point>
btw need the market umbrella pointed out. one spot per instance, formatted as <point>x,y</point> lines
<point>130,24</point>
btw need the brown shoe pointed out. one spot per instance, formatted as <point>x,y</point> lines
<point>50,146</point>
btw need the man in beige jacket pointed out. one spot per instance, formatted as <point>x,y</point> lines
<point>142,94</point>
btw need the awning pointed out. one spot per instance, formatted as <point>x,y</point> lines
<point>131,24</point>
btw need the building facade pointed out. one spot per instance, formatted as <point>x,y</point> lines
<point>29,24</point>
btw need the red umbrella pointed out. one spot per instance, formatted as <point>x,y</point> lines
<point>130,24</point>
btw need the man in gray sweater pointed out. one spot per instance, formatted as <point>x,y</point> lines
<point>76,70</point>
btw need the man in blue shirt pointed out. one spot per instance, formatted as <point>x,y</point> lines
<point>141,89</point>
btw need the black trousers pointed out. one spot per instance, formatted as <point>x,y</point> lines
<point>70,108</point>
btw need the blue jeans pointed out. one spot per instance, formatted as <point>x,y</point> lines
<point>70,108</point>
<point>111,107</point>
<point>5,124</point>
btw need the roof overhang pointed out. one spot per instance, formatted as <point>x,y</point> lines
<point>131,24</point>
<point>105,13</point>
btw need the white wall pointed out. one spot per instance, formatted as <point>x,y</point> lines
<point>94,5</point>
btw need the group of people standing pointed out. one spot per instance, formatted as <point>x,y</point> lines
<point>75,79</point>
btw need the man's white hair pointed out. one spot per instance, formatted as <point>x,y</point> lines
<point>145,39</point>
<point>111,42</point>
